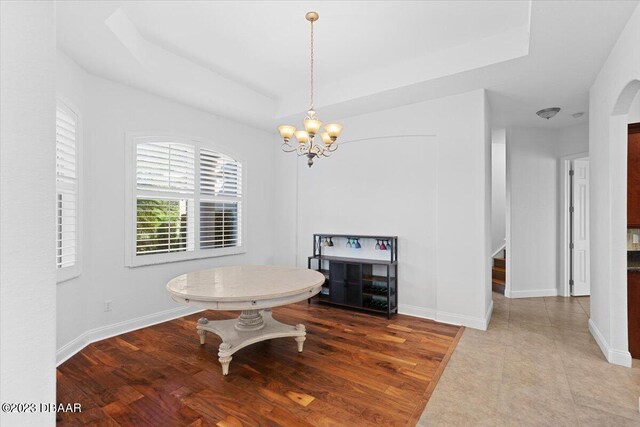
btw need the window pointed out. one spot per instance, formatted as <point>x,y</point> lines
<point>67,192</point>
<point>187,201</point>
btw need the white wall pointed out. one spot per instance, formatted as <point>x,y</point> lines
<point>27,200</point>
<point>573,140</point>
<point>138,295</point>
<point>532,177</point>
<point>610,98</point>
<point>72,294</point>
<point>431,189</point>
<point>535,199</point>
<point>498,188</point>
<point>634,111</point>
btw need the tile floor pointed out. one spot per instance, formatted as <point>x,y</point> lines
<point>537,364</point>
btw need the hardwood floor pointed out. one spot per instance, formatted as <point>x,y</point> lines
<point>356,369</point>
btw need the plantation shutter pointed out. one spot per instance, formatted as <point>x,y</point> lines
<point>66,187</point>
<point>165,193</point>
<point>220,200</point>
<point>188,201</point>
<point>165,167</point>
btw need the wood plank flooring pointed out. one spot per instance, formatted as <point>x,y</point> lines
<point>356,370</point>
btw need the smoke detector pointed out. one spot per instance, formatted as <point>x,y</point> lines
<point>547,113</point>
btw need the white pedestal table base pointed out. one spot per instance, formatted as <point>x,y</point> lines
<point>251,327</point>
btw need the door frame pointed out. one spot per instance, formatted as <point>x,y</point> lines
<point>565,166</point>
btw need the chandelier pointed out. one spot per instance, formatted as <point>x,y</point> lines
<point>306,145</point>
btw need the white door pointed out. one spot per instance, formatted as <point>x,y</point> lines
<point>580,228</point>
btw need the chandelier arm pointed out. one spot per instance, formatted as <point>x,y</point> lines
<point>287,148</point>
<point>317,149</point>
<point>328,150</point>
<point>302,150</point>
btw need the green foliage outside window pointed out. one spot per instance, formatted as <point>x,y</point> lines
<point>160,226</point>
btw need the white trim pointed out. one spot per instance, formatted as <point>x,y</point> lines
<point>449,318</point>
<point>417,311</point>
<point>507,217</point>
<point>551,292</point>
<point>68,273</point>
<point>565,166</point>
<point>616,357</point>
<point>108,331</point>
<point>464,320</point>
<point>488,314</point>
<point>131,260</point>
<point>500,249</point>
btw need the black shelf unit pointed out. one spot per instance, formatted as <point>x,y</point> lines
<point>364,284</point>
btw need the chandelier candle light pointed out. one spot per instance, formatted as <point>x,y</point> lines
<point>306,145</point>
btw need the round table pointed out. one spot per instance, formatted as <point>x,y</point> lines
<point>253,290</point>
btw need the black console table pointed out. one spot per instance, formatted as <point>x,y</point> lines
<point>353,281</point>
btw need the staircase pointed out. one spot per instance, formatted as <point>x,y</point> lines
<point>498,274</point>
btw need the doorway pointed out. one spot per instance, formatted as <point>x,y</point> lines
<point>576,240</point>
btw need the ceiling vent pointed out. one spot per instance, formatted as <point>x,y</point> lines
<point>547,113</point>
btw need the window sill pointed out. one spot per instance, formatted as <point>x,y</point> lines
<point>147,260</point>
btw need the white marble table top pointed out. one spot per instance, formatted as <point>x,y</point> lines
<point>244,283</point>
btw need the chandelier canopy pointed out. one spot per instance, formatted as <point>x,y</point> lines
<point>306,145</point>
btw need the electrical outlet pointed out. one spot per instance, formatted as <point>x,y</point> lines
<point>107,305</point>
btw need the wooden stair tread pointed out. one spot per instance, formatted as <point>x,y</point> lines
<point>495,267</point>
<point>499,263</point>
<point>497,282</point>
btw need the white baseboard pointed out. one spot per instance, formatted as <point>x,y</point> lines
<point>450,318</point>
<point>481,323</point>
<point>552,292</point>
<point>108,331</point>
<point>416,311</point>
<point>487,316</point>
<point>616,357</point>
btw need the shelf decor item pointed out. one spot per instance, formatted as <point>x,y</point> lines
<point>365,284</point>
<point>306,145</point>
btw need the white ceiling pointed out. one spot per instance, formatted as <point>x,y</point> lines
<point>266,44</point>
<point>249,60</point>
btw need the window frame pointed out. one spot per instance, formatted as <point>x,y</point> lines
<point>132,259</point>
<point>71,272</point>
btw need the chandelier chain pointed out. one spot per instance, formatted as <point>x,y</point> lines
<point>311,65</point>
